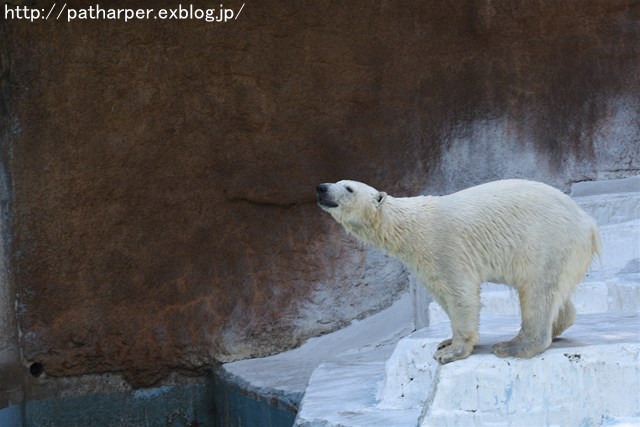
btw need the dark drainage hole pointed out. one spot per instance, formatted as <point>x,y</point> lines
<point>36,369</point>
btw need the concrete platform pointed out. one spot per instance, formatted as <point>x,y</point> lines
<point>283,377</point>
<point>591,376</point>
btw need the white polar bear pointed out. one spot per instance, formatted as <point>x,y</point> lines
<point>524,234</point>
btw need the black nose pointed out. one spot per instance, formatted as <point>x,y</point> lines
<point>322,188</point>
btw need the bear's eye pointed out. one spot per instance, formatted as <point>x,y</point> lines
<point>349,189</point>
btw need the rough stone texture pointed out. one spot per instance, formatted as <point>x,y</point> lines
<point>11,372</point>
<point>163,214</point>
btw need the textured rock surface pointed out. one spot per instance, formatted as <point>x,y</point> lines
<point>163,171</point>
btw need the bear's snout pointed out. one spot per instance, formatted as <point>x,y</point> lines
<point>325,199</point>
<point>322,188</point>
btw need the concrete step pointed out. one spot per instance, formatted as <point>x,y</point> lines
<point>613,295</point>
<point>590,377</point>
<point>283,377</point>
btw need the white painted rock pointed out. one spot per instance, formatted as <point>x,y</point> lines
<point>590,377</point>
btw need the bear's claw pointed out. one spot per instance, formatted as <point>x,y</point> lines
<point>449,352</point>
<point>445,343</point>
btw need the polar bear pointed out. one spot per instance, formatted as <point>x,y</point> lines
<point>524,234</point>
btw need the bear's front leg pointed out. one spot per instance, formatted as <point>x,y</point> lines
<point>464,325</point>
<point>456,350</point>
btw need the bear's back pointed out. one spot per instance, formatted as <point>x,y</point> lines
<point>513,196</point>
<point>515,224</point>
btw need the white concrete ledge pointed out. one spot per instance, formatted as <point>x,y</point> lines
<point>284,376</point>
<point>589,377</point>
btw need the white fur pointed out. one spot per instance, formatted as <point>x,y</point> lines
<point>524,234</point>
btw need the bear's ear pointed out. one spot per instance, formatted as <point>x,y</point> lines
<point>380,198</point>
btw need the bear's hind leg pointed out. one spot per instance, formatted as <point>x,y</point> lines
<point>538,310</point>
<point>566,317</point>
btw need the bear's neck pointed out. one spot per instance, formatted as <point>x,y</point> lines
<point>396,221</point>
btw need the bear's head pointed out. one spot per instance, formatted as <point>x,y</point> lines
<point>353,204</point>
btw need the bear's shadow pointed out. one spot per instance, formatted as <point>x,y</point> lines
<point>485,348</point>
